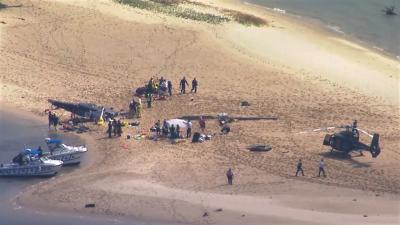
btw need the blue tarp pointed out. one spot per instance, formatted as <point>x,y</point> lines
<point>53,141</point>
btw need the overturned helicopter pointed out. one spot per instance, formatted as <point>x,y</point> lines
<point>85,110</point>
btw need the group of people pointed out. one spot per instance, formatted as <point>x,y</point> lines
<point>135,107</point>
<point>183,83</point>
<point>53,120</point>
<point>321,168</point>
<point>172,131</point>
<point>114,127</point>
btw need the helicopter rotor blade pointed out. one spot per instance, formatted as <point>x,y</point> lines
<point>365,132</point>
<point>317,130</point>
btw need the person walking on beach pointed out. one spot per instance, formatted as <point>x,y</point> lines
<point>183,84</point>
<point>202,123</point>
<point>229,175</point>
<point>299,168</point>
<point>321,168</point>
<point>172,131</point>
<point>189,129</point>
<point>109,130</point>
<point>170,88</point>
<point>194,85</point>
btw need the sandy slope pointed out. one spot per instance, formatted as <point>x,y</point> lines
<point>98,51</point>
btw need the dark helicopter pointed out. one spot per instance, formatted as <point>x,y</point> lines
<point>390,10</point>
<point>86,110</point>
<point>348,140</point>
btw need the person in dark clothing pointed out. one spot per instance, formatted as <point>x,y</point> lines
<point>229,175</point>
<point>172,132</point>
<point>149,100</point>
<point>165,128</point>
<point>321,168</point>
<point>51,118</point>
<point>110,128</point>
<point>178,131</point>
<point>183,84</point>
<point>170,88</point>
<point>202,123</point>
<point>40,152</point>
<point>189,129</point>
<point>55,121</point>
<point>119,128</point>
<point>115,127</point>
<point>225,129</point>
<point>299,168</point>
<point>194,85</point>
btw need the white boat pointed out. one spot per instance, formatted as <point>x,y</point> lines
<point>68,154</point>
<point>33,168</point>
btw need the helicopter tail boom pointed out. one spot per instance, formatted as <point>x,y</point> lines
<point>374,147</point>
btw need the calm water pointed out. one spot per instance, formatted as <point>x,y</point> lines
<point>16,133</point>
<point>359,19</point>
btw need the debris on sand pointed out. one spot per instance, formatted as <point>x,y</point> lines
<point>205,214</point>
<point>90,205</point>
<point>259,148</point>
<point>218,210</point>
<point>244,103</point>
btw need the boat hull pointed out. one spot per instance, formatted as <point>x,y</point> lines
<point>29,171</point>
<point>68,158</point>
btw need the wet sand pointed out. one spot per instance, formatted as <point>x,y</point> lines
<point>100,51</point>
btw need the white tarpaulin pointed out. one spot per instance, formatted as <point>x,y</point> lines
<point>181,123</point>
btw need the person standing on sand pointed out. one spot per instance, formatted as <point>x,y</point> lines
<point>300,168</point>
<point>115,128</point>
<point>119,128</point>
<point>183,84</point>
<point>170,88</point>
<point>56,120</point>
<point>51,118</point>
<point>202,123</point>
<point>229,175</point>
<point>139,108</point>
<point>178,131</point>
<point>149,100</point>
<point>194,85</point>
<point>321,168</point>
<point>109,130</point>
<point>189,129</point>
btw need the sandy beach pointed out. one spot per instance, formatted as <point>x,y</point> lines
<point>100,51</point>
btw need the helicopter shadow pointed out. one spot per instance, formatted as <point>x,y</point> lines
<point>347,158</point>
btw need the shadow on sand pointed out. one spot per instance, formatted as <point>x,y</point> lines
<point>340,156</point>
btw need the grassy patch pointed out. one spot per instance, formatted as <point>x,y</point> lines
<point>246,19</point>
<point>171,7</point>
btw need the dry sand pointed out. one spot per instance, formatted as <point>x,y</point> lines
<point>99,51</point>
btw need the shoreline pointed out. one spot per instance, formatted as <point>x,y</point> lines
<point>141,180</point>
<point>317,24</point>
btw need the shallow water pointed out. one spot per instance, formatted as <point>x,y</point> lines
<point>17,133</point>
<point>359,19</point>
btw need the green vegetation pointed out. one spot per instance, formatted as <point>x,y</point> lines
<point>245,18</point>
<point>171,7</point>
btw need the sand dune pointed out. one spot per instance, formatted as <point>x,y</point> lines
<point>99,51</point>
